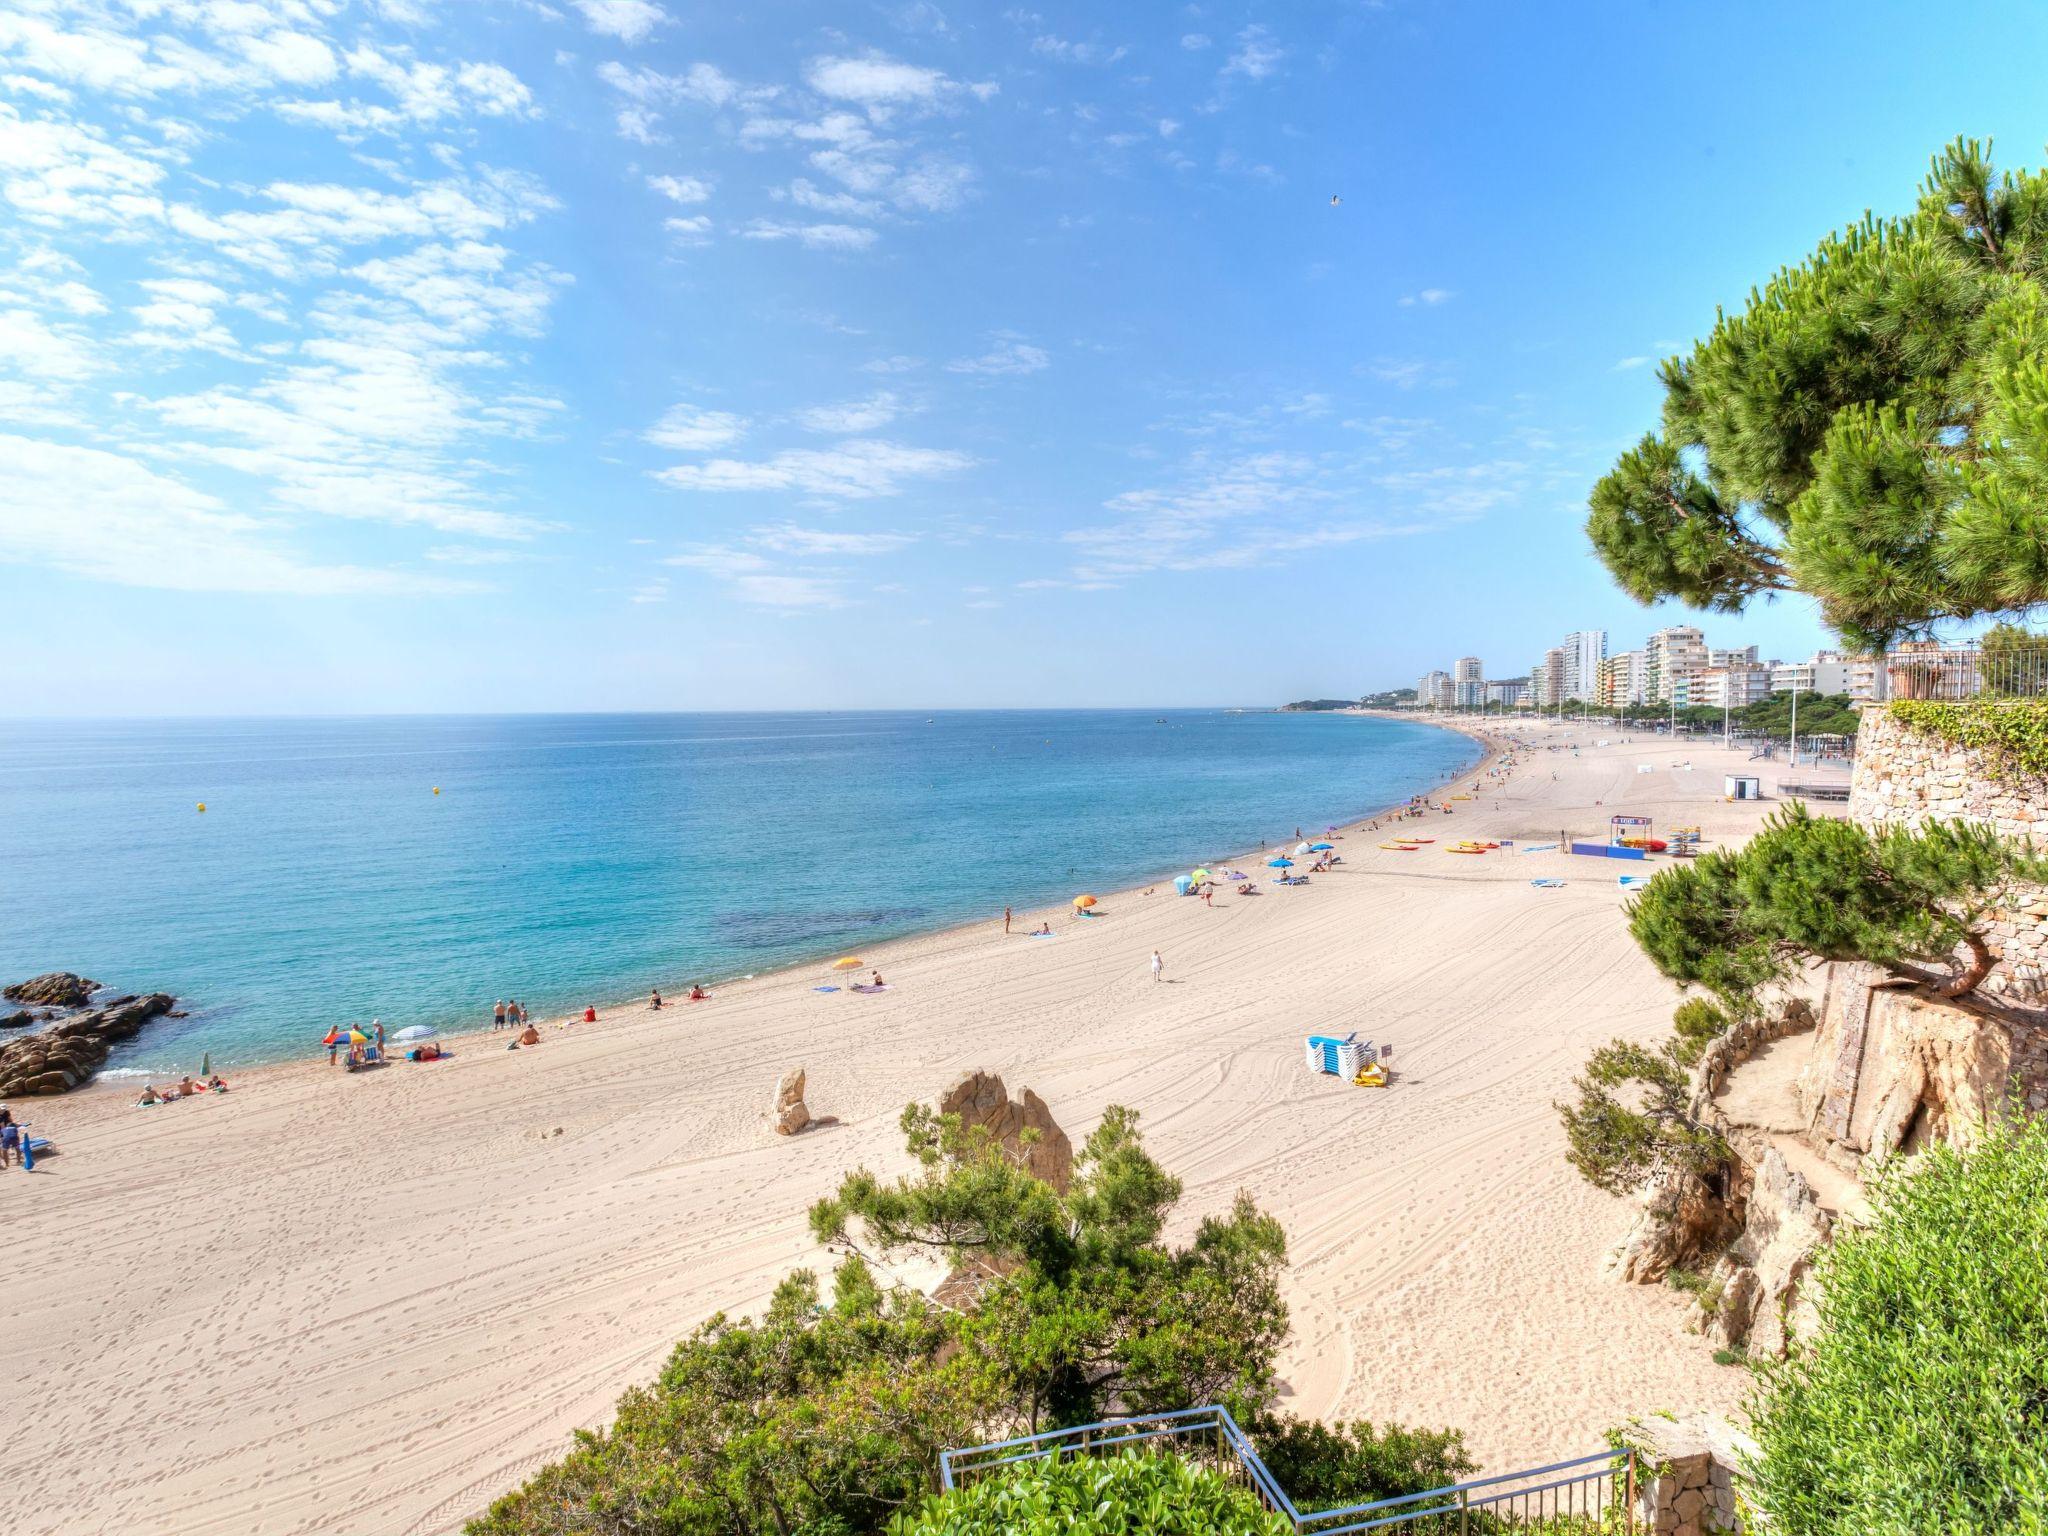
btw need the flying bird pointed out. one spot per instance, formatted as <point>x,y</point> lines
<point>1335,200</point>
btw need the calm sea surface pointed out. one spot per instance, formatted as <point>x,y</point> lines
<point>583,858</point>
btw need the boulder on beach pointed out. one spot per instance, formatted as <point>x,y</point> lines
<point>69,1052</point>
<point>789,1111</point>
<point>52,989</point>
<point>1023,1127</point>
<point>21,1018</point>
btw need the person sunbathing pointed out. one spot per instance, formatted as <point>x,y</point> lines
<point>654,999</point>
<point>1045,929</point>
<point>530,1037</point>
<point>187,1088</point>
<point>698,994</point>
<point>149,1095</point>
<point>216,1085</point>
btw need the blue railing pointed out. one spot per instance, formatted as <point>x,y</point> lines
<point>1597,1490</point>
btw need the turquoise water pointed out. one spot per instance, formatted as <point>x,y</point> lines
<point>583,858</point>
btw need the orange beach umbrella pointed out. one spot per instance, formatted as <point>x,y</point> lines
<point>1084,902</point>
<point>848,963</point>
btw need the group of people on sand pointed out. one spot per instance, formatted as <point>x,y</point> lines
<point>189,1088</point>
<point>509,1016</point>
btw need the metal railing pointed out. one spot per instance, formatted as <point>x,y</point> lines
<point>1579,1497</point>
<point>1958,672</point>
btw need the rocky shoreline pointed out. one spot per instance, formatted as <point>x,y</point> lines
<point>76,1038</point>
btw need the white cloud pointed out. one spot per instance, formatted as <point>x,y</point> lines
<point>788,538</point>
<point>630,21</point>
<point>1168,127</point>
<point>40,347</point>
<point>897,364</point>
<point>818,237</point>
<point>1069,52</point>
<point>681,189</point>
<point>754,578</point>
<point>877,82</point>
<point>1628,363</point>
<point>694,230</point>
<point>1194,42</point>
<point>1257,55</point>
<point>57,173</point>
<point>689,429</point>
<point>422,93</point>
<point>1009,355</point>
<point>857,469</point>
<point>852,417</point>
<point>110,518</point>
<point>1428,297</point>
<point>181,314</point>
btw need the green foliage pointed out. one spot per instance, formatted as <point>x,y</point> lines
<point>1829,714</point>
<point>1810,888</point>
<point>1870,428</point>
<point>2014,737</point>
<point>1324,1466</point>
<point>1922,1402</point>
<point>1630,1120</point>
<point>1087,1313</point>
<point>1695,1024</point>
<point>815,1418</point>
<point>1130,1494</point>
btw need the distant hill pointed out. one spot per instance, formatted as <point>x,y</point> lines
<point>1309,704</point>
<point>1388,698</point>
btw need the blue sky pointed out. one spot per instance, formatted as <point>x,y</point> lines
<point>368,355</point>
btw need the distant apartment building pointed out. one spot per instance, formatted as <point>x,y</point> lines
<point>1546,679</point>
<point>1583,651</point>
<point>1721,687</point>
<point>1468,683</point>
<point>1745,657</point>
<point>1622,680</point>
<point>1823,672</point>
<point>1433,690</point>
<point>1669,655</point>
<point>1506,691</point>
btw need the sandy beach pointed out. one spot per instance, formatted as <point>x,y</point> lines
<point>370,1303</point>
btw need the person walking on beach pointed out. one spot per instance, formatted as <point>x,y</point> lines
<point>498,1017</point>
<point>1158,965</point>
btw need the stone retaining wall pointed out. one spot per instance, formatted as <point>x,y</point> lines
<point>1904,777</point>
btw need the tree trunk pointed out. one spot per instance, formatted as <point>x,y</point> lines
<point>1981,961</point>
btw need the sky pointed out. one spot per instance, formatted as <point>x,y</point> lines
<point>385,355</point>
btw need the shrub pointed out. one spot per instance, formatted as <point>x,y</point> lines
<point>1324,1466</point>
<point>1125,1495</point>
<point>1696,1023</point>
<point>1922,1402</point>
<point>1631,1121</point>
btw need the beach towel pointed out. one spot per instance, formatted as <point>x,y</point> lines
<point>1041,935</point>
<point>1553,884</point>
<point>824,989</point>
<point>882,988</point>
<point>1628,880</point>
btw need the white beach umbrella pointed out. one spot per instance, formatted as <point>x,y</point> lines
<point>416,1032</point>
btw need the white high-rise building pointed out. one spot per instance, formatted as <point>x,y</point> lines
<point>1670,653</point>
<point>1622,680</point>
<point>1546,679</point>
<point>1468,683</point>
<point>1433,690</point>
<point>1584,650</point>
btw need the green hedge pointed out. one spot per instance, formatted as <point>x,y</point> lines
<point>1922,1403</point>
<point>1130,1494</point>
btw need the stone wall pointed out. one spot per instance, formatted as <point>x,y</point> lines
<point>1691,1469</point>
<point>1904,777</point>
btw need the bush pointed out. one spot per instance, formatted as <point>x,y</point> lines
<point>1324,1466</point>
<point>1125,1495</point>
<point>1696,1024</point>
<point>1922,1403</point>
<point>1631,1120</point>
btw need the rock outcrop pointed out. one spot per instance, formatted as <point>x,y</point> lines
<point>69,1052</point>
<point>1023,1127</point>
<point>1755,1296</point>
<point>52,989</point>
<point>21,1018</point>
<point>789,1111</point>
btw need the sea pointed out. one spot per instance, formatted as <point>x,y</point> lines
<point>417,868</point>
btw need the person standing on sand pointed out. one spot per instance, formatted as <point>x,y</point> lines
<point>498,1017</point>
<point>377,1029</point>
<point>1006,919</point>
<point>1158,965</point>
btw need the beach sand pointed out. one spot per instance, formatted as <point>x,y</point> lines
<point>370,1303</point>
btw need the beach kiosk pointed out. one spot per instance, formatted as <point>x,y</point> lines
<point>1741,786</point>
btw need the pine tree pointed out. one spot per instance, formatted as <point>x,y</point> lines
<point>1871,428</point>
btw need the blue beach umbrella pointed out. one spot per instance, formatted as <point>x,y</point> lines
<point>1280,863</point>
<point>1320,847</point>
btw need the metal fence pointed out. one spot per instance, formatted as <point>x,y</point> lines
<point>1586,1496</point>
<point>2018,671</point>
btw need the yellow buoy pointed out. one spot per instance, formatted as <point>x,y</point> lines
<point>202,807</point>
<point>437,789</point>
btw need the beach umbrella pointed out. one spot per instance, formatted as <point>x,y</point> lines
<point>416,1032</point>
<point>1084,902</point>
<point>206,1065</point>
<point>357,1037</point>
<point>1282,862</point>
<point>1320,847</point>
<point>1301,847</point>
<point>1182,885</point>
<point>1198,876</point>
<point>848,963</point>
<point>332,1037</point>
